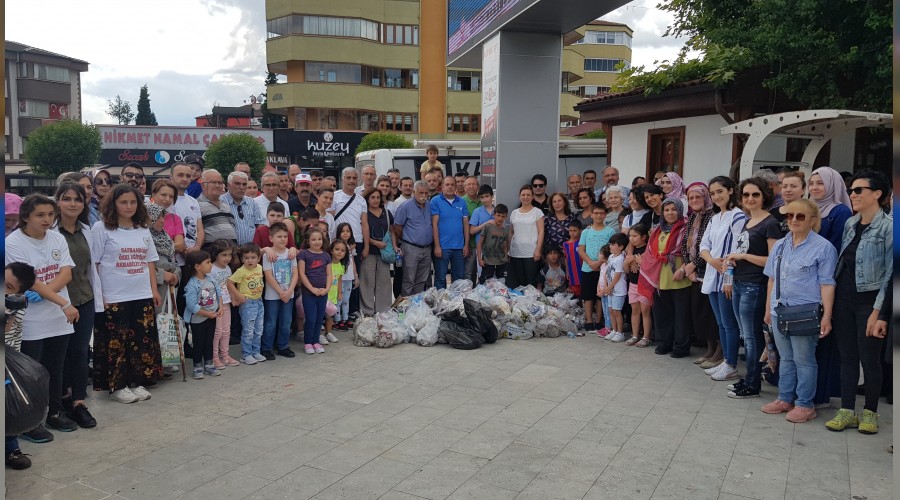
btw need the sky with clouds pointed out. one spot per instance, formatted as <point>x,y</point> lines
<point>194,53</point>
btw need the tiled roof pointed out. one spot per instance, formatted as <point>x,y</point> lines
<point>21,47</point>
<point>638,91</point>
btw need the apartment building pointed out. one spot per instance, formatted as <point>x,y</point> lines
<point>40,87</point>
<point>368,65</point>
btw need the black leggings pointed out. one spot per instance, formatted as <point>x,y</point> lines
<point>202,335</point>
<point>521,272</point>
<point>51,353</point>
<point>851,312</point>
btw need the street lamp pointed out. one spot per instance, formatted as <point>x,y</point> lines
<point>255,103</point>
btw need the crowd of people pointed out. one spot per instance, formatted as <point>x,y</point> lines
<point>255,260</point>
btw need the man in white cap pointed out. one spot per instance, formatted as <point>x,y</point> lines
<point>304,198</point>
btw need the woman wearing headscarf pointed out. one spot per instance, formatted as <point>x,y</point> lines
<point>167,271</point>
<point>828,190</point>
<point>102,181</point>
<point>659,265</point>
<point>673,187</point>
<point>703,321</point>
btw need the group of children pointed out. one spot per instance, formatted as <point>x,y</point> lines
<point>273,282</point>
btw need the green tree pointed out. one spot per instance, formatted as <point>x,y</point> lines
<point>64,146</point>
<point>594,134</point>
<point>230,149</point>
<point>831,54</point>
<point>269,119</point>
<point>120,110</point>
<point>383,140</point>
<point>144,115</point>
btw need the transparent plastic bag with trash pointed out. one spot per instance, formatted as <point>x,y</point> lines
<point>364,332</point>
<point>428,335</point>
<point>391,329</point>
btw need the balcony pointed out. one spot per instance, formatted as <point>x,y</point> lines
<point>340,50</point>
<point>342,96</point>
<point>568,101</point>
<point>572,64</point>
<point>463,102</point>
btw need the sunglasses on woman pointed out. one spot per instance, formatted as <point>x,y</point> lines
<point>102,182</point>
<point>755,194</point>
<point>800,216</point>
<point>858,190</point>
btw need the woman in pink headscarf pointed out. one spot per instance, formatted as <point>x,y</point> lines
<point>828,190</point>
<point>703,322</point>
<point>673,187</point>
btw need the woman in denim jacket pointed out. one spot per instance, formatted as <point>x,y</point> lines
<point>863,274</point>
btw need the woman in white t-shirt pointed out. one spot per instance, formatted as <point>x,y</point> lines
<point>126,342</point>
<point>47,326</point>
<point>527,237</point>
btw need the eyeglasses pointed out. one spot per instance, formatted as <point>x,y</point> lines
<point>800,217</point>
<point>538,185</point>
<point>270,185</point>
<point>858,190</point>
<point>215,183</point>
<point>132,175</point>
<point>755,194</point>
<point>102,182</point>
<point>240,210</point>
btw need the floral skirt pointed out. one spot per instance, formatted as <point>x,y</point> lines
<point>126,346</point>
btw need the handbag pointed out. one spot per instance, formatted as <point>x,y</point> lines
<point>167,325</point>
<point>388,254</point>
<point>795,321</point>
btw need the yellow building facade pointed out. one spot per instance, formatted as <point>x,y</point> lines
<point>369,65</point>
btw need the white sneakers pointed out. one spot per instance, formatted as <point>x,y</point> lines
<point>725,372</point>
<point>616,337</point>
<point>249,360</point>
<point>323,340</point>
<point>711,371</point>
<point>331,338</point>
<point>141,393</point>
<point>124,395</point>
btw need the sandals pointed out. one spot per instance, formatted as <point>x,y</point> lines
<point>642,343</point>
<point>632,341</point>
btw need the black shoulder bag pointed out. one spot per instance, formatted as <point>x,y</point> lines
<point>345,207</point>
<point>795,321</point>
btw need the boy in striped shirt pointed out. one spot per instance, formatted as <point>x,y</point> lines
<point>573,260</point>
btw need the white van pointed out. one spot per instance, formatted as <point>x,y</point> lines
<point>575,156</point>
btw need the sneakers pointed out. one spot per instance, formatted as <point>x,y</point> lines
<point>341,326</point>
<point>249,360</point>
<point>726,372</point>
<point>776,407</point>
<point>308,349</point>
<point>800,414</point>
<point>124,395</point>
<point>331,338</point>
<point>286,352</point>
<point>737,385</point>
<point>83,417</point>
<point>662,349</point>
<point>229,361</point>
<point>318,348</point>
<point>37,435</point>
<point>590,327</point>
<point>141,393</point>
<point>713,369</point>
<point>868,424</point>
<point>198,373</point>
<point>743,392</point>
<point>17,460</point>
<point>603,332</point>
<point>259,357</point>
<point>269,355</point>
<point>616,337</point>
<point>61,422</point>
<point>211,370</point>
<point>323,340</point>
<point>843,419</point>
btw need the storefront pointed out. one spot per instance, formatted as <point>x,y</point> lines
<point>323,150</point>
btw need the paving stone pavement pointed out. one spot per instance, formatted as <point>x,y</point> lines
<point>540,418</point>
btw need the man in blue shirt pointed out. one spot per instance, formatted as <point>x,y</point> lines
<point>450,221</point>
<point>413,227</point>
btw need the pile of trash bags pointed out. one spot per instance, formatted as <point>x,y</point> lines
<point>466,316</point>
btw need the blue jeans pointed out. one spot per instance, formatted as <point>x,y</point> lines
<point>749,303</point>
<point>452,259</point>
<point>314,307</point>
<point>797,368</point>
<point>277,331</point>
<point>343,306</point>
<point>729,332</point>
<point>12,443</point>
<point>607,321</point>
<point>251,326</point>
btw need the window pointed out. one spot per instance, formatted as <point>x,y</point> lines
<point>463,123</point>
<point>361,75</point>
<point>324,25</point>
<point>588,90</point>
<point>401,34</point>
<point>34,109</point>
<point>52,73</point>
<point>606,38</point>
<point>464,80</point>
<point>401,122</point>
<point>355,119</point>
<point>605,65</point>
